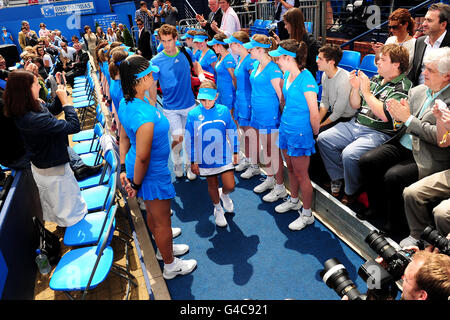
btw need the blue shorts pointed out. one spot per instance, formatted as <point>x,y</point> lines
<point>243,122</point>
<point>296,145</point>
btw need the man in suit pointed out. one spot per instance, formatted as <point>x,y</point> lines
<point>435,26</point>
<point>388,169</point>
<point>144,48</point>
<point>79,66</point>
<point>214,15</point>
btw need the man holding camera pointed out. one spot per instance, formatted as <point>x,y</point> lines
<point>169,13</point>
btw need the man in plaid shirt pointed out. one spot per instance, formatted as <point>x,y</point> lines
<point>343,145</point>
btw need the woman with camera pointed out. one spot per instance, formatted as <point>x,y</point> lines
<point>144,154</point>
<point>45,137</point>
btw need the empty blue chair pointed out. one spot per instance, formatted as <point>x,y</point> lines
<point>350,60</point>
<point>88,134</point>
<point>97,197</point>
<point>85,268</point>
<point>92,145</point>
<point>87,230</point>
<point>368,65</point>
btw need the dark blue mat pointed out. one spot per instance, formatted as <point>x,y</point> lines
<point>256,256</point>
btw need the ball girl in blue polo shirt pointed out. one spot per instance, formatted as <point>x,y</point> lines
<point>225,79</point>
<point>115,90</point>
<point>210,130</point>
<point>267,81</point>
<point>207,58</point>
<point>300,121</point>
<point>144,155</point>
<point>242,104</point>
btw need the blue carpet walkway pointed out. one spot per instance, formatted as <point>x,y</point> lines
<point>256,256</point>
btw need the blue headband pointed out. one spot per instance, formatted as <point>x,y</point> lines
<point>215,41</point>
<point>187,35</point>
<point>151,68</point>
<point>253,43</point>
<point>200,38</point>
<point>206,94</point>
<point>233,40</point>
<point>281,51</point>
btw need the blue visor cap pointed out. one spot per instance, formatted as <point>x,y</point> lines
<point>280,51</point>
<point>215,41</point>
<point>151,68</point>
<point>252,44</point>
<point>233,40</point>
<point>206,94</point>
<point>187,35</point>
<point>3,28</point>
<point>200,38</point>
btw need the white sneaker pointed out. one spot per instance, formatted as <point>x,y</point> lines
<point>178,170</point>
<point>181,267</point>
<point>275,194</point>
<point>288,205</point>
<point>266,185</point>
<point>190,175</point>
<point>178,250</point>
<point>244,164</point>
<point>251,172</point>
<point>175,233</point>
<point>219,215</point>
<point>301,222</point>
<point>226,201</point>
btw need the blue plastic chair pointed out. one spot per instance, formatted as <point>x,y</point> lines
<point>87,231</point>
<point>308,26</point>
<point>319,94</point>
<point>83,269</point>
<point>92,145</point>
<point>88,134</point>
<point>350,60</point>
<point>96,197</point>
<point>368,65</point>
<point>103,176</point>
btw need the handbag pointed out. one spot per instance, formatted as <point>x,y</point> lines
<point>48,242</point>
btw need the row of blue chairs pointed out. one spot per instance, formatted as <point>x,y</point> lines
<point>262,27</point>
<point>91,258</point>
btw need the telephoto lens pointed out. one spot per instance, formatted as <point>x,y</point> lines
<point>380,245</point>
<point>336,277</point>
<point>434,238</point>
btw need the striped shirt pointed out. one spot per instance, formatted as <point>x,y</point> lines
<point>396,89</point>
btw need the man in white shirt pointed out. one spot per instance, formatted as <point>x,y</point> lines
<point>230,21</point>
<point>435,25</point>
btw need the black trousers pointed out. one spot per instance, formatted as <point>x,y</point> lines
<point>386,171</point>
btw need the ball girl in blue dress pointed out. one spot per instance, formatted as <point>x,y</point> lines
<point>225,79</point>
<point>207,58</point>
<point>267,82</point>
<point>300,121</point>
<point>117,56</point>
<point>208,122</point>
<point>144,155</point>
<point>242,104</point>
<point>7,38</point>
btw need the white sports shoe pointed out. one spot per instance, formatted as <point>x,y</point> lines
<point>178,250</point>
<point>219,215</point>
<point>288,205</point>
<point>301,222</point>
<point>251,172</point>
<point>175,233</point>
<point>275,194</point>
<point>178,170</point>
<point>190,175</point>
<point>181,267</point>
<point>226,201</point>
<point>266,185</point>
<point>244,164</point>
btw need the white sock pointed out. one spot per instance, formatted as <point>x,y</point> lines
<point>270,178</point>
<point>307,212</point>
<point>172,265</point>
<point>218,206</point>
<point>279,186</point>
<point>294,200</point>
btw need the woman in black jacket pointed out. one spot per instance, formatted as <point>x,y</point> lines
<point>45,137</point>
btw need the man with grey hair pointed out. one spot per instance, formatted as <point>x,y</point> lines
<point>414,154</point>
<point>435,26</point>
